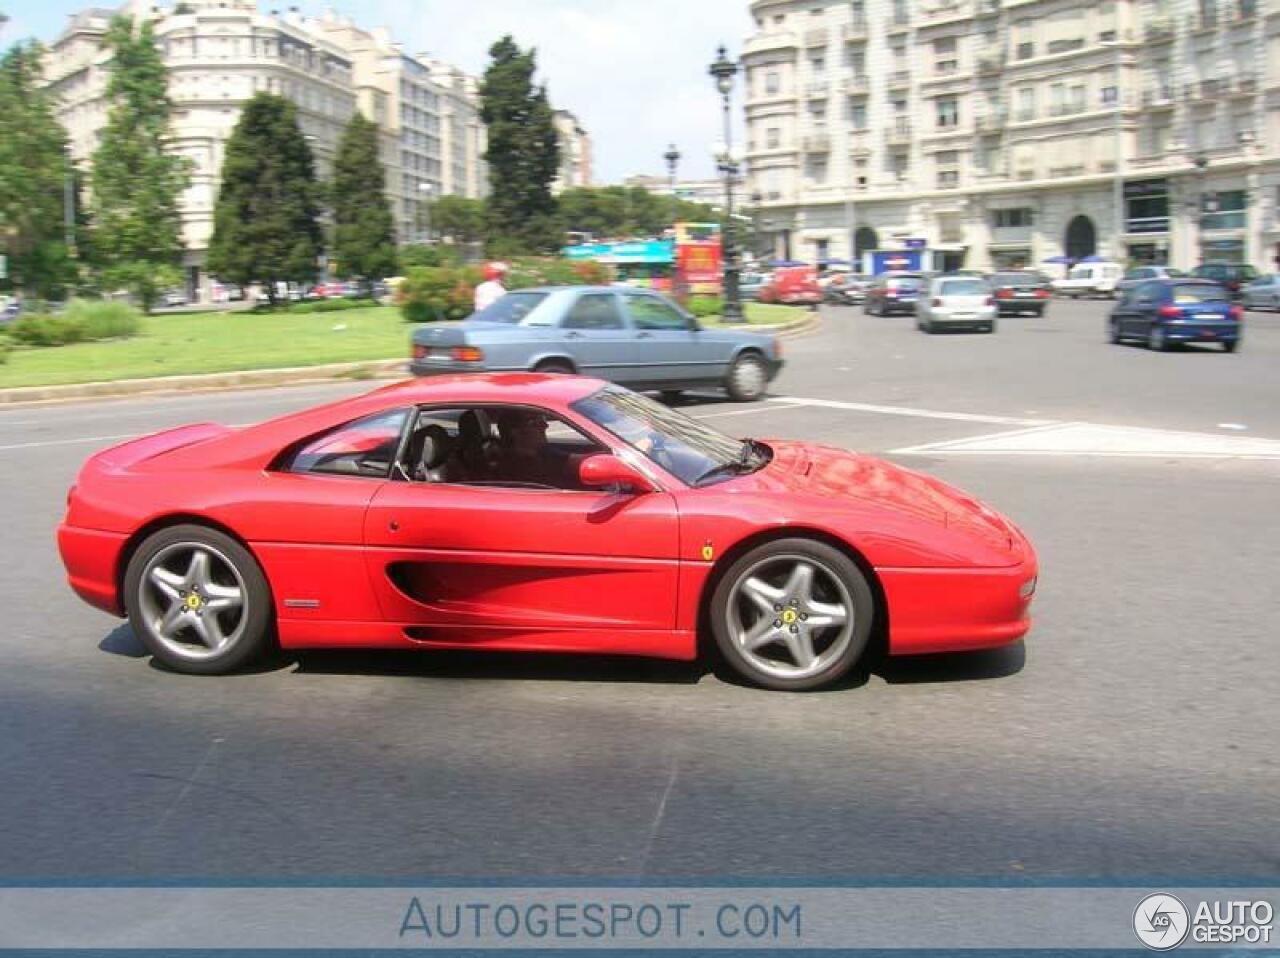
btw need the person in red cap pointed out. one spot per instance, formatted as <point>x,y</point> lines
<point>491,290</point>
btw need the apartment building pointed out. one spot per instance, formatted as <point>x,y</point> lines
<point>219,53</point>
<point>1007,132</point>
<point>575,152</point>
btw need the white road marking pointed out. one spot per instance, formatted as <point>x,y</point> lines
<point>67,442</point>
<point>910,411</point>
<point>1232,425</point>
<point>1091,439</point>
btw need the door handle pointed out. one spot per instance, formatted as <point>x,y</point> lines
<point>644,335</point>
<point>393,526</point>
<point>572,334</point>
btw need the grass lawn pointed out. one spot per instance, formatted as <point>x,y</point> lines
<point>764,314</point>
<point>179,344</point>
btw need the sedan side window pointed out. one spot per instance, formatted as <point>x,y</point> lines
<point>649,312</point>
<point>366,447</point>
<point>593,311</point>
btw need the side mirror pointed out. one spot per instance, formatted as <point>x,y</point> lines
<point>604,470</point>
<point>692,322</point>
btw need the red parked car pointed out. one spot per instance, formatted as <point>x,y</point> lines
<point>792,286</point>
<point>591,519</point>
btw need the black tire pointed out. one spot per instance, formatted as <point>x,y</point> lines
<point>252,635</point>
<point>1113,332</point>
<point>747,379</point>
<point>1229,345</point>
<point>843,583</point>
<point>670,396</point>
<point>557,367</point>
<point>928,327</point>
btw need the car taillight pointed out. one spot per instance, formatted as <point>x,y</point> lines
<point>891,293</point>
<point>1169,312</point>
<point>1237,312</point>
<point>1042,294</point>
<point>467,354</point>
<point>1004,294</point>
<point>989,301</point>
<point>419,351</point>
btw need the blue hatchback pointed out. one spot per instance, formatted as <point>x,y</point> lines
<point>1165,312</point>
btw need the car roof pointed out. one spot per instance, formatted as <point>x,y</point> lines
<point>582,289</point>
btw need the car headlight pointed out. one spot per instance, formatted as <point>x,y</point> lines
<point>1028,588</point>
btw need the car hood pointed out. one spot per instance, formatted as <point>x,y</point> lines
<point>834,475</point>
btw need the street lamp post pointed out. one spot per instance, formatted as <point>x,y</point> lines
<point>672,156</point>
<point>723,71</point>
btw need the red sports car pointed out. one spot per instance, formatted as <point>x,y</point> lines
<point>535,513</point>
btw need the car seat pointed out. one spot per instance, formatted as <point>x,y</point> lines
<point>437,447</point>
<point>476,449</point>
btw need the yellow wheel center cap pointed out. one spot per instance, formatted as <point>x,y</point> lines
<point>194,602</point>
<point>789,616</point>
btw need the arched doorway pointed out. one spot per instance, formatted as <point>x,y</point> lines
<point>865,239</point>
<point>1081,239</point>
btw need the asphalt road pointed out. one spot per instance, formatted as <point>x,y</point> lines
<point>1134,733</point>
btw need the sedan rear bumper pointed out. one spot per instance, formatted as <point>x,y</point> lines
<point>1201,332</point>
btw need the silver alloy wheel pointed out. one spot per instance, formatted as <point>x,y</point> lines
<point>748,377</point>
<point>192,600</point>
<point>791,616</point>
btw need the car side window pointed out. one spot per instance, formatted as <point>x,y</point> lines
<point>649,312</point>
<point>593,311</point>
<point>366,447</point>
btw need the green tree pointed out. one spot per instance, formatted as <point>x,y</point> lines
<point>266,225</point>
<point>523,153</point>
<point>33,172</point>
<point>363,232</point>
<point>136,178</point>
<point>622,211</point>
<point>461,219</point>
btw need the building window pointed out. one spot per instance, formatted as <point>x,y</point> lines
<point>1026,50</point>
<point>1110,95</point>
<point>771,84</point>
<point>858,114</point>
<point>772,138</point>
<point>1021,216</point>
<point>948,179</point>
<point>948,112</point>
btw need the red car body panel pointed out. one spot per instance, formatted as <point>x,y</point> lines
<point>355,561</point>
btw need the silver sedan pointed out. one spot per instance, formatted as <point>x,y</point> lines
<point>1262,293</point>
<point>956,301</point>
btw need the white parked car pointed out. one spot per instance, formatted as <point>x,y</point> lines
<point>956,301</point>
<point>1090,279</point>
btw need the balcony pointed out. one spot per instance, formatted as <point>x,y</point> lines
<point>816,143</point>
<point>945,11</point>
<point>989,122</point>
<point>1246,84</point>
<point>899,79</point>
<point>1066,109</point>
<point>769,42</point>
<point>817,37</point>
<point>986,8</point>
<point>857,32</point>
<point>898,134</point>
<point>857,85</point>
<point>990,64</point>
<point>1159,30</point>
<point>816,89</point>
<point>899,22</point>
<point>1210,89</point>
<point>1068,169</point>
<point>1011,234</point>
<point>860,146</point>
<point>1158,98</point>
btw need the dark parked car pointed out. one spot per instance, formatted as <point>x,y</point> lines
<point>894,293</point>
<point>1234,276</point>
<point>1166,312</point>
<point>631,336</point>
<point>1020,291</point>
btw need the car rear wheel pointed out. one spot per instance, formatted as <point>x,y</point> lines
<point>1113,331</point>
<point>747,378</point>
<point>198,600</point>
<point>556,367</point>
<point>792,614</point>
<point>1229,345</point>
<point>1156,339</point>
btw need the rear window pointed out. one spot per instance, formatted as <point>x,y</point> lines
<point>1015,279</point>
<point>1186,294</point>
<point>964,287</point>
<point>509,309</point>
<point>903,282</point>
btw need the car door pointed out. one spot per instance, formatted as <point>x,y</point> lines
<point>669,345</point>
<point>594,334</point>
<point>1126,311</point>
<point>484,564</point>
<point>1146,305</point>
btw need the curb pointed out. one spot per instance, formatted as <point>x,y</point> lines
<point>288,376</point>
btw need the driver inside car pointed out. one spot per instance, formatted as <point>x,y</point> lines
<point>524,455</point>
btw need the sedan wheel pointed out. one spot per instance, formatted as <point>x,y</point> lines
<point>1113,331</point>
<point>747,378</point>
<point>197,600</point>
<point>792,614</point>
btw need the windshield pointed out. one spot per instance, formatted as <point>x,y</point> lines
<point>685,447</point>
<point>1185,293</point>
<point>509,309</point>
<point>963,287</point>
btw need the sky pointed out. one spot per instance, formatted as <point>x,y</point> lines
<point>633,71</point>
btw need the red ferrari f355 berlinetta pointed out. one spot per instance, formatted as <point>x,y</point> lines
<point>534,513</point>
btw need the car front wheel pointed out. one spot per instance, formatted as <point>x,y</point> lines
<point>198,600</point>
<point>747,378</point>
<point>792,614</point>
